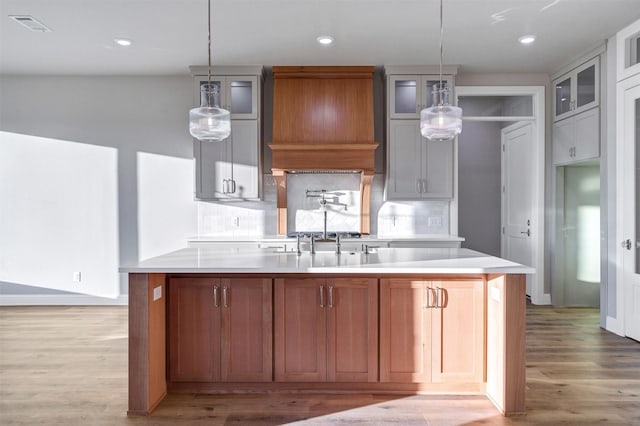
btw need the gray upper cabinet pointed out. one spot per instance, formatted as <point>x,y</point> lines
<point>416,167</point>
<point>231,169</point>
<point>577,90</point>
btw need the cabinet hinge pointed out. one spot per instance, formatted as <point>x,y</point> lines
<point>503,230</point>
<point>504,149</point>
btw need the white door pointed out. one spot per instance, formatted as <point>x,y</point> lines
<point>518,193</point>
<point>630,193</point>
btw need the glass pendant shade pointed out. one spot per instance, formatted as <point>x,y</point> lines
<point>441,121</point>
<point>209,122</point>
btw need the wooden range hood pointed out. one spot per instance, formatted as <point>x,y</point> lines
<point>323,120</point>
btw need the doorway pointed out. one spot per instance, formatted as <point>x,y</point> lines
<point>487,111</point>
<point>628,201</point>
<point>578,243</point>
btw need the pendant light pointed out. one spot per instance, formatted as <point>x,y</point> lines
<point>441,122</point>
<point>209,122</point>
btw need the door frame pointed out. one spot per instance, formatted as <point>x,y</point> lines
<point>538,296</point>
<point>617,324</point>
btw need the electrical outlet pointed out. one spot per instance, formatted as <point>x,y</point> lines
<point>77,277</point>
<point>434,221</point>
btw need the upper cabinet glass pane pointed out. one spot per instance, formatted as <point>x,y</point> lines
<point>635,50</point>
<point>406,95</point>
<point>563,96</point>
<point>496,106</point>
<point>586,86</point>
<point>241,97</point>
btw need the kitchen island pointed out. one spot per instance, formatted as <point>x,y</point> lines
<point>399,320</point>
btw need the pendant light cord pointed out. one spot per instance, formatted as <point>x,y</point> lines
<point>441,94</point>
<point>209,39</point>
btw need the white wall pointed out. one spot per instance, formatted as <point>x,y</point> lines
<point>94,172</point>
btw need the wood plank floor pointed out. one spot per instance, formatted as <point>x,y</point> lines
<point>68,366</point>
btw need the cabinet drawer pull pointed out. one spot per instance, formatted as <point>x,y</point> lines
<point>322,296</point>
<point>330,296</point>
<point>418,186</point>
<point>438,301</point>
<point>215,296</point>
<point>224,297</point>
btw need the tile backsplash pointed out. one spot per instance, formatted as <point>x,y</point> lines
<point>398,218</point>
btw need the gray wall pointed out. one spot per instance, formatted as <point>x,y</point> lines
<point>479,186</point>
<point>57,132</point>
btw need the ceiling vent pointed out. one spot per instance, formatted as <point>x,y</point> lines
<point>31,23</point>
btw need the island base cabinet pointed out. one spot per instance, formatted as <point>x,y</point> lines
<point>432,331</point>
<point>326,330</point>
<point>220,330</point>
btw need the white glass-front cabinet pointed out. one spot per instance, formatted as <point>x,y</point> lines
<point>417,168</point>
<point>409,94</point>
<point>231,169</point>
<point>577,90</point>
<point>238,94</point>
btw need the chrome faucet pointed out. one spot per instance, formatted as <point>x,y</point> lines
<point>338,244</point>
<point>298,251</point>
<point>313,245</point>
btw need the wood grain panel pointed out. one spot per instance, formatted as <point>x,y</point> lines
<point>458,331</point>
<point>405,332</point>
<point>506,302</point>
<point>247,330</point>
<point>352,330</point>
<point>147,382</point>
<point>194,330</point>
<point>300,331</point>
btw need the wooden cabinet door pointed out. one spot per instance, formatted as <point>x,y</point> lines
<point>300,330</point>
<point>246,350</point>
<point>194,324</point>
<point>458,331</point>
<point>405,331</point>
<point>352,330</point>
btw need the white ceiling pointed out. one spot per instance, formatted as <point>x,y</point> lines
<point>170,35</point>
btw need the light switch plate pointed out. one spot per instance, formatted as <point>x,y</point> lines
<point>157,293</point>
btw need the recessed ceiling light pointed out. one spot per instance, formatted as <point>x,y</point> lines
<point>325,40</point>
<point>122,41</point>
<point>527,39</point>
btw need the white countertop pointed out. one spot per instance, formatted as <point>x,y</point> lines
<point>284,238</point>
<point>382,261</point>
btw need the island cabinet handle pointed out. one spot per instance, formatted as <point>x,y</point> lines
<point>330,296</point>
<point>224,297</point>
<point>430,292</point>
<point>215,296</point>
<point>441,298</point>
<point>322,296</point>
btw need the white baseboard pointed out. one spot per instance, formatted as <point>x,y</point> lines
<point>615,325</point>
<point>60,300</point>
